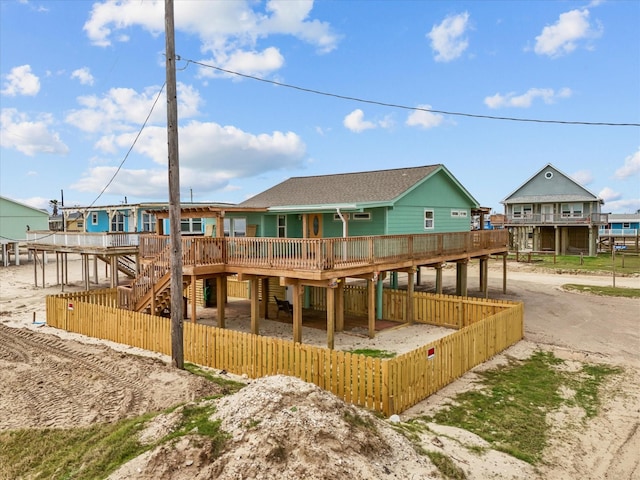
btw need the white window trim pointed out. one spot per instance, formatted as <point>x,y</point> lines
<point>281,228</point>
<point>94,218</point>
<point>459,213</point>
<point>432,219</point>
<point>231,231</point>
<point>362,216</point>
<point>336,217</point>
<point>190,222</point>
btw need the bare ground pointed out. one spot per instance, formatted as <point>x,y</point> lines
<point>283,428</point>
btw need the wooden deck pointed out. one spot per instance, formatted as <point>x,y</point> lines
<point>323,259</point>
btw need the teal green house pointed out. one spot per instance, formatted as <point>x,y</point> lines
<point>400,201</point>
<point>15,220</point>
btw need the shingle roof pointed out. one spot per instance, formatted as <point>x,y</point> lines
<point>346,188</point>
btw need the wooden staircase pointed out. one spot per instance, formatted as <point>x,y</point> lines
<point>126,264</point>
<point>150,291</point>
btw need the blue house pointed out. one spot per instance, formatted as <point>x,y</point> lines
<point>134,218</point>
<point>622,229</point>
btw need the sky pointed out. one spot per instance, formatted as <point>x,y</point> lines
<point>269,90</point>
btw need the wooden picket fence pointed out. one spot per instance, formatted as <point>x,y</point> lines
<point>387,386</point>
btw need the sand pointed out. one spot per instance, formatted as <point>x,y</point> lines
<point>52,378</point>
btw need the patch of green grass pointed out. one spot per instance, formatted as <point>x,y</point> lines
<point>604,291</point>
<point>587,385</point>
<point>446,466</point>
<point>359,421</point>
<point>510,409</point>
<point>228,386</point>
<point>625,263</point>
<point>371,352</point>
<point>95,451</point>
<point>79,453</point>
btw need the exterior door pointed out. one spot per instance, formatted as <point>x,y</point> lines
<point>547,213</point>
<point>314,225</point>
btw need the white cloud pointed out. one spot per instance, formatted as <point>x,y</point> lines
<point>548,96</point>
<point>21,82</point>
<point>630,205</point>
<point>563,37</point>
<point>609,195</point>
<point>211,156</point>
<point>29,136</point>
<point>83,75</point>
<point>447,38</point>
<point>583,177</point>
<point>423,118</point>
<point>249,63</point>
<point>228,31</point>
<point>125,109</point>
<point>40,203</point>
<point>630,168</point>
<point>356,123</point>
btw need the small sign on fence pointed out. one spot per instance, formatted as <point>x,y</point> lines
<point>70,306</point>
<point>431,353</point>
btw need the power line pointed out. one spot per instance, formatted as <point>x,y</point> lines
<point>405,107</point>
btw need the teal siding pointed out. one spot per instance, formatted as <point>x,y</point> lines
<point>14,218</point>
<point>440,194</point>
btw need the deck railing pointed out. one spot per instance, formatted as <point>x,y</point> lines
<point>84,240</point>
<point>557,219</point>
<point>325,253</point>
<point>618,232</point>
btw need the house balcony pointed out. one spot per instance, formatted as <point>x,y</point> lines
<point>83,242</point>
<point>618,232</point>
<point>551,219</point>
<point>324,258</point>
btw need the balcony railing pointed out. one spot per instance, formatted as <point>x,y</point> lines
<point>325,253</point>
<point>557,219</point>
<point>84,240</point>
<point>618,232</point>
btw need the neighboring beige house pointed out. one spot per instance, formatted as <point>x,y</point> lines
<point>553,212</point>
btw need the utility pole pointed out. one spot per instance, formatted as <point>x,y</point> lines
<point>175,237</point>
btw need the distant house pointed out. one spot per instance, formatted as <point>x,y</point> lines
<point>74,222</point>
<point>401,201</point>
<point>553,212</point>
<point>621,229</point>
<point>15,220</point>
<point>128,218</point>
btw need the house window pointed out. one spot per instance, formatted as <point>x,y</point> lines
<point>148,222</point>
<point>117,222</point>
<point>626,225</point>
<point>362,216</point>
<point>94,218</point>
<point>282,226</point>
<point>337,218</point>
<point>428,220</point>
<point>235,227</point>
<point>459,213</point>
<point>79,224</point>
<point>571,210</point>
<point>520,211</point>
<point>191,225</point>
